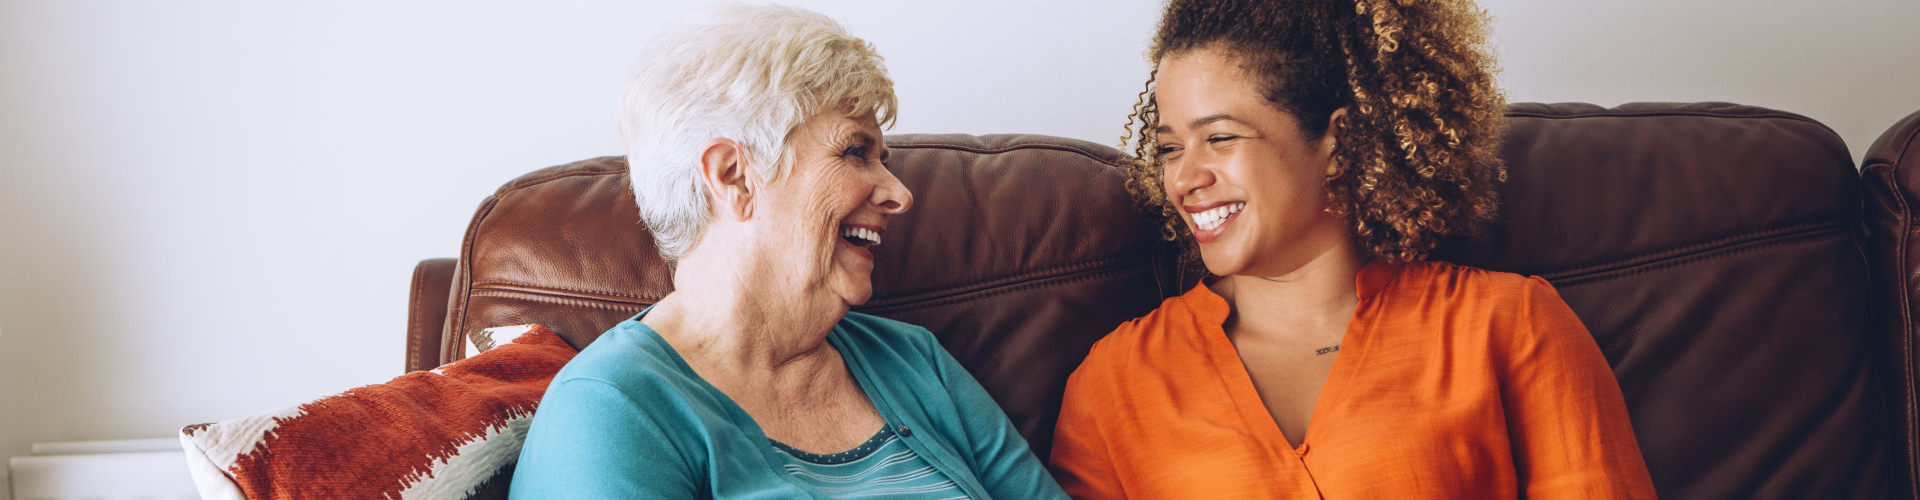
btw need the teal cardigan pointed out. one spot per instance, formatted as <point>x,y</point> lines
<point>628,418</point>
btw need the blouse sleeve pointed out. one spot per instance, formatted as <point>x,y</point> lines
<point>1565,413</point>
<point>1000,456</point>
<point>589,440</point>
<point>1080,459</point>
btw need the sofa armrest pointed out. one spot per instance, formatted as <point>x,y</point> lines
<point>427,312</point>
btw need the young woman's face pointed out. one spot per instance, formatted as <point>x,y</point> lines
<point>1242,173</point>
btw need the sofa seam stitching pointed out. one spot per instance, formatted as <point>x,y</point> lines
<point>498,282</point>
<point>1684,251</point>
<point>557,299</point>
<point>1664,264</point>
<point>1738,248</point>
<point>1014,280</point>
<point>994,291</point>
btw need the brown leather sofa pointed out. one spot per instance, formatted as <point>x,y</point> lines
<point>1891,176</point>
<point>1715,251</point>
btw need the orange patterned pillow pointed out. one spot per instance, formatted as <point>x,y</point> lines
<point>443,433</point>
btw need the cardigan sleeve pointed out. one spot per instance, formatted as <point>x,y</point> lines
<point>1565,414</point>
<point>1080,458</point>
<point>1000,456</point>
<point>589,440</point>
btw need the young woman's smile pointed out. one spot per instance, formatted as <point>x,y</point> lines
<point>1210,219</point>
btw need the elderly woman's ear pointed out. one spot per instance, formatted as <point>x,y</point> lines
<point>723,168</point>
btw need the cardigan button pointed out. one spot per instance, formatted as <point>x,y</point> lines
<point>903,431</point>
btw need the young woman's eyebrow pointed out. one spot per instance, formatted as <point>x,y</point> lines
<point>1202,122</point>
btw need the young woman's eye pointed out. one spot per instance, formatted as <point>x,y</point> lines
<point>1216,139</point>
<point>1166,150</point>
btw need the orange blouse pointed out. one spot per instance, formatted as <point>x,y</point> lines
<point>1451,382</point>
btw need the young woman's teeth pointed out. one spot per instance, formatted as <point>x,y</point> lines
<point>1213,218</point>
<point>861,236</point>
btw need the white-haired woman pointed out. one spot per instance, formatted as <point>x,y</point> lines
<point>753,138</point>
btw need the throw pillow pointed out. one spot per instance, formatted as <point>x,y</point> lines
<point>443,433</point>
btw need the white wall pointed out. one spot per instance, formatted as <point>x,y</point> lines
<point>209,209</point>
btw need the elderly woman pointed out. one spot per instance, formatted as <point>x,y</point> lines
<point>754,142</point>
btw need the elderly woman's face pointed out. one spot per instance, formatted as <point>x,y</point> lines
<point>834,203</point>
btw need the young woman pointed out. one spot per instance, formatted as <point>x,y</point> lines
<point>1313,152</point>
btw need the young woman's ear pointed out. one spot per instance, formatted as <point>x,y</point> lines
<point>723,169</point>
<point>1330,142</point>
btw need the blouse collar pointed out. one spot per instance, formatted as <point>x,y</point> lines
<point>1374,276</point>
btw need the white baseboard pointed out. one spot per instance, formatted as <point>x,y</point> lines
<point>103,470</point>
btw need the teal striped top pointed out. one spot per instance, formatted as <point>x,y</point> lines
<point>882,467</point>
<point>629,418</point>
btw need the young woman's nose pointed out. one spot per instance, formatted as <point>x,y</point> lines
<point>1189,173</point>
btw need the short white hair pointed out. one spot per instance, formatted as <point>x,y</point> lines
<point>749,73</point>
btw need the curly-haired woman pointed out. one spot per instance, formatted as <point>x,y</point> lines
<point>1313,152</point>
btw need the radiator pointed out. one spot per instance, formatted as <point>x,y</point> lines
<point>138,469</point>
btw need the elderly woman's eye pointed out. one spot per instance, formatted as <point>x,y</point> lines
<point>855,151</point>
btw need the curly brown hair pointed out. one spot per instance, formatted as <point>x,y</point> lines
<point>1418,154</point>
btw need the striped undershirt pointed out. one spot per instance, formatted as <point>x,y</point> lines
<point>882,467</point>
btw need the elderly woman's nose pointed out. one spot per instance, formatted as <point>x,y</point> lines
<point>892,196</point>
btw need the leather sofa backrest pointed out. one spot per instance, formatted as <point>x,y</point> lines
<point>1710,248</point>
<point>1891,176</point>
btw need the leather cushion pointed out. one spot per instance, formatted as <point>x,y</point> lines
<point>1891,177</point>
